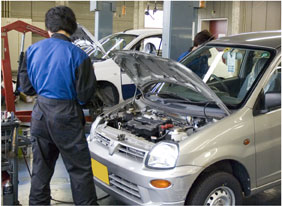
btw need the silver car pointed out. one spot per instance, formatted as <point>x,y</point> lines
<point>189,140</point>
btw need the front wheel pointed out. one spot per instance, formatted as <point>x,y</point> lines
<point>108,93</point>
<point>219,188</point>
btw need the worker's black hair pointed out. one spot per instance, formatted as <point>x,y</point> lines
<point>203,37</point>
<point>60,18</point>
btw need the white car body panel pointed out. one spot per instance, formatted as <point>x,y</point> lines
<point>109,71</point>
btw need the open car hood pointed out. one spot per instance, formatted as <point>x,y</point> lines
<point>145,69</point>
<point>82,34</point>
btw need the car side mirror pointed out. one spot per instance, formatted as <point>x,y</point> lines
<point>267,102</point>
<point>272,100</point>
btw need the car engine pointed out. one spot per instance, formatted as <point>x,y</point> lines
<point>154,125</point>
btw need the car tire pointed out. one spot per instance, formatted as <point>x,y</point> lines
<point>216,189</point>
<point>109,93</point>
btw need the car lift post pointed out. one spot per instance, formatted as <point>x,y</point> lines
<point>20,26</point>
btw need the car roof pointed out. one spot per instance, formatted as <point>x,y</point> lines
<point>142,31</point>
<point>270,39</point>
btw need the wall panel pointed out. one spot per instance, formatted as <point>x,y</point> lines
<point>258,16</point>
<point>217,9</point>
<point>248,14</point>
<point>21,9</point>
<point>273,16</point>
<point>39,9</point>
<point>225,8</point>
<point>253,15</point>
<point>83,14</point>
<point>122,22</point>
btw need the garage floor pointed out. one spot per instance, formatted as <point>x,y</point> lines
<point>60,186</point>
<point>60,189</point>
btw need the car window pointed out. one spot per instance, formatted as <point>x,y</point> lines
<point>229,71</point>
<point>229,64</point>
<point>173,92</point>
<point>274,83</point>
<point>117,42</point>
<point>150,45</point>
<point>110,43</point>
<point>272,90</point>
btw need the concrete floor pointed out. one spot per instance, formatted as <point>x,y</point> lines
<point>60,186</point>
<point>60,189</point>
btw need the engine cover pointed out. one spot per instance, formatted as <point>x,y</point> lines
<point>145,127</point>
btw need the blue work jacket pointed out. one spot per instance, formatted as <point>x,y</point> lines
<point>57,69</point>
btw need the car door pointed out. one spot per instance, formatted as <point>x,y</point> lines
<point>267,121</point>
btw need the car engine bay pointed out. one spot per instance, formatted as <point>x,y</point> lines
<point>154,125</point>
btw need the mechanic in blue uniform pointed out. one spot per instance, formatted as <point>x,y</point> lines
<point>62,76</point>
<point>200,64</point>
<point>200,38</point>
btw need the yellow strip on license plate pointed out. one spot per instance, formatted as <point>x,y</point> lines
<point>100,171</point>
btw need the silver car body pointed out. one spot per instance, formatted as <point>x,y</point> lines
<point>250,144</point>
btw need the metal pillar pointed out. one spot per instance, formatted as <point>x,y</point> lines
<point>103,17</point>
<point>138,18</point>
<point>180,21</point>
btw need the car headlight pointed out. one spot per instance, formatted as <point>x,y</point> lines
<point>163,156</point>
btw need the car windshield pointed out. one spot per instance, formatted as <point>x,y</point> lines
<point>116,42</point>
<point>230,72</point>
<point>171,92</point>
<point>110,43</point>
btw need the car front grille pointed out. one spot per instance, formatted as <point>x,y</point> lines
<point>102,139</point>
<point>137,154</point>
<point>124,186</point>
<point>126,150</point>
